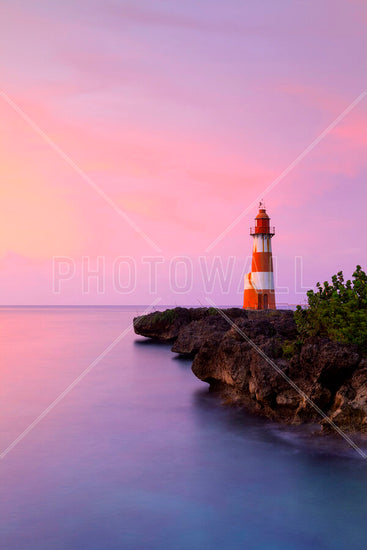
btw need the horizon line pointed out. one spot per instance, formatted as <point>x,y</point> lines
<point>120,305</point>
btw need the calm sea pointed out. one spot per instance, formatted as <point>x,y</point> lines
<point>139,456</point>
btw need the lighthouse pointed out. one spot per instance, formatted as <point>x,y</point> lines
<point>259,284</point>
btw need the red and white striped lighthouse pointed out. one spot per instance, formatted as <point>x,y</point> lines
<point>259,284</point>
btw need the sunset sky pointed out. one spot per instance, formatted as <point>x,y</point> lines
<point>180,115</point>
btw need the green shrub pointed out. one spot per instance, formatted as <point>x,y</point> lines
<point>168,315</point>
<point>337,310</point>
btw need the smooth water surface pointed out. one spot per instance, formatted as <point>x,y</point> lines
<point>138,455</point>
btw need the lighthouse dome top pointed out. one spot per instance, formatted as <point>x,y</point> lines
<point>262,212</point>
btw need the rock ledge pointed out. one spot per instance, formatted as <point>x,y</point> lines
<point>331,374</point>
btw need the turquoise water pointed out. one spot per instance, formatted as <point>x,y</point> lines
<point>138,455</point>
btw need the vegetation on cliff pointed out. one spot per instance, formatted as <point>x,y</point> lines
<point>337,310</point>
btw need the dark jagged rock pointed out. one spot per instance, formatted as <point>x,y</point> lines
<point>349,408</point>
<point>166,325</point>
<point>192,336</point>
<point>331,374</point>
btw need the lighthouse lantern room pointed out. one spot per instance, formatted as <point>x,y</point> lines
<point>259,284</point>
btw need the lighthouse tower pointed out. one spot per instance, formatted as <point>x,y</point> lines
<point>259,284</point>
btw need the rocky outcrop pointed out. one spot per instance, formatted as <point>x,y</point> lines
<point>261,364</point>
<point>350,404</point>
<point>167,325</point>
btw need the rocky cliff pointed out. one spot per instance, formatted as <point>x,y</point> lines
<point>331,374</point>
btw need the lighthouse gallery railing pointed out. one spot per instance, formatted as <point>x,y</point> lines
<point>262,231</point>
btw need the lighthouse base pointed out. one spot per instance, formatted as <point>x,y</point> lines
<point>259,290</point>
<point>258,299</point>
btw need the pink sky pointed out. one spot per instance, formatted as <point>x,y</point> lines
<point>182,114</point>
